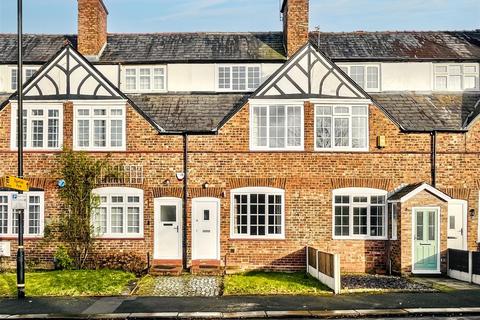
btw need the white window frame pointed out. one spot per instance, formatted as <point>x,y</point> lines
<point>253,190</point>
<point>137,81</point>
<point>362,192</point>
<point>365,75</point>
<point>91,105</point>
<point>26,229</point>
<point>286,148</point>
<point>28,106</point>
<point>393,216</point>
<point>11,88</point>
<point>247,88</point>
<point>463,75</point>
<point>350,135</point>
<point>125,193</point>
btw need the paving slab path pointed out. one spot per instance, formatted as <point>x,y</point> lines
<point>187,286</point>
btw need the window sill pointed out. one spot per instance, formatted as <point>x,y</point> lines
<point>340,150</point>
<point>234,238</point>
<point>361,238</point>
<point>123,149</point>
<point>14,237</point>
<point>276,150</point>
<point>136,238</point>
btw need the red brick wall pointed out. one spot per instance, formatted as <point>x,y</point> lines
<point>308,175</point>
<point>92,26</point>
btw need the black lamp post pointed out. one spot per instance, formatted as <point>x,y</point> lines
<point>21,212</point>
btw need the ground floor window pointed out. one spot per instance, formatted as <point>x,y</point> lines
<point>359,213</point>
<point>119,213</point>
<point>34,215</point>
<point>258,213</point>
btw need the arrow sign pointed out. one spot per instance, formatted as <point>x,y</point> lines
<point>16,183</point>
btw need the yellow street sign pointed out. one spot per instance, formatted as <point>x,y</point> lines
<point>16,183</point>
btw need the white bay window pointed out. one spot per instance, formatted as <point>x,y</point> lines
<point>257,213</point>
<point>99,127</point>
<point>34,215</point>
<point>276,127</point>
<point>359,213</point>
<point>339,127</point>
<point>119,213</point>
<point>42,126</point>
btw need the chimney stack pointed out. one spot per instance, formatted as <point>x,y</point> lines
<point>92,27</point>
<point>295,24</point>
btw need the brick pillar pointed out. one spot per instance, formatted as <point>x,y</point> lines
<point>295,24</point>
<point>92,26</point>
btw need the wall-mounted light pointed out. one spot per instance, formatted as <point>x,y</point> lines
<point>166,182</point>
<point>205,185</point>
<point>472,212</point>
<point>381,142</point>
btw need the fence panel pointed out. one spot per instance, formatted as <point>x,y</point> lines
<point>325,267</point>
<point>458,260</point>
<point>476,263</point>
<point>464,265</point>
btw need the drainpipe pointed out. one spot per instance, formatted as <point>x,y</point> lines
<point>434,157</point>
<point>185,199</point>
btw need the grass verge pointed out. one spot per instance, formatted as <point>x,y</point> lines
<point>68,283</point>
<point>273,283</point>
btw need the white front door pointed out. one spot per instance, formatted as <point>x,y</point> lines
<point>168,229</point>
<point>205,229</point>
<point>457,229</point>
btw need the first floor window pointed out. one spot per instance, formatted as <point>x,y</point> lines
<point>238,77</point>
<point>34,215</point>
<point>145,78</point>
<point>258,212</point>
<point>456,77</point>
<point>277,127</point>
<point>359,213</point>
<point>27,73</point>
<point>341,127</point>
<point>366,76</point>
<point>99,128</point>
<point>119,213</point>
<point>42,126</point>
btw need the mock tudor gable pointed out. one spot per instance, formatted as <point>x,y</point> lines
<point>309,74</point>
<point>69,76</point>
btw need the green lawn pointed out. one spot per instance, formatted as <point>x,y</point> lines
<point>68,283</point>
<point>271,283</point>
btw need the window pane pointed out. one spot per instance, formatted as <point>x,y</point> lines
<point>341,132</point>
<point>13,79</point>
<point>53,129</point>
<point>470,82</point>
<point>239,78</point>
<point>377,221</point>
<point>372,77</point>
<point>440,82</point>
<point>456,69</point>
<point>469,69</point>
<point>431,225</point>
<point>357,73</point>
<point>133,220</point>
<point>3,214</point>
<point>34,215</point>
<point>144,79</point>
<point>360,221</point>
<point>277,126</point>
<point>294,126</point>
<point>440,69</point>
<point>455,82</point>
<point>116,133</point>
<point>419,225</point>
<point>83,133</point>
<point>359,132</point>
<point>117,219</point>
<point>100,133</point>
<point>259,126</point>
<point>240,214</point>
<point>159,78</point>
<point>168,213</point>
<point>224,77</point>
<point>253,77</point>
<point>29,73</point>
<point>101,220</point>
<point>37,133</point>
<point>100,112</point>
<point>342,219</point>
<point>131,79</point>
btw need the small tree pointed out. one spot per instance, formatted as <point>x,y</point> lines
<point>81,174</point>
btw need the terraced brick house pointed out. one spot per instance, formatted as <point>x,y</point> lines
<point>237,150</point>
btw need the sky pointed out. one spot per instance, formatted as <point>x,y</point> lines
<point>59,16</point>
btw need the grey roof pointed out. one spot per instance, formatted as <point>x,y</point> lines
<point>189,112</point>
<point>256,46</point>
<point>157,47</point>
<point>403,191</point>
<point>400,45</point>
<point>429,111</point>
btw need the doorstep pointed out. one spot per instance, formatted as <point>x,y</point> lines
<point>164,267</point>
<point>207,268</point>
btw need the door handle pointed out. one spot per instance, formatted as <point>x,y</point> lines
<point>461,232</point>
<point>177,228</point>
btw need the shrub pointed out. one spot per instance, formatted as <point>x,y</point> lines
<point>62,259</point>
<point>126,261</point>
